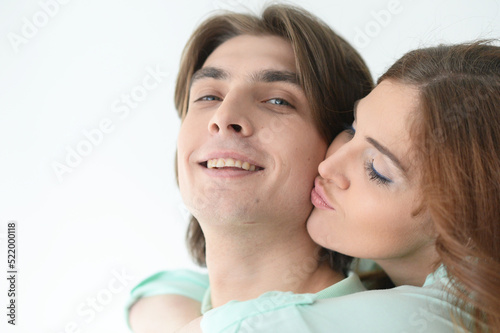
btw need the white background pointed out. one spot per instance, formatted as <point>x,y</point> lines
<point>119,210</point>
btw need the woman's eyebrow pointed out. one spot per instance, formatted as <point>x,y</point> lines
<point>387,153</point>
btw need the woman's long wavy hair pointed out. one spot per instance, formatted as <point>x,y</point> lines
<point>456,133</point>
<point>331,72</point>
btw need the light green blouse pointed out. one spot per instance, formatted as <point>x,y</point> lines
<point>196,286</point>
<point>403,309</point>
<point>338,308</point>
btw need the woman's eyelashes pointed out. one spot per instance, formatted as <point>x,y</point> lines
<point>375,176</point>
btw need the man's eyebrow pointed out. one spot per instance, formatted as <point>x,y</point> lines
<point>209,72</point>
<point>269,76</point>
<point>387,153</point>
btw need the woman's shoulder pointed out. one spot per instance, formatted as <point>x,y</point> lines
<point>400,309</point>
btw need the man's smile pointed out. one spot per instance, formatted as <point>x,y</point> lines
<point>229,162</point>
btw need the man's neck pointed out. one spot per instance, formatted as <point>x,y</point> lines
<point>243,264</point>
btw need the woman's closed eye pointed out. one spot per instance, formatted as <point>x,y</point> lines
<point>376,176</point>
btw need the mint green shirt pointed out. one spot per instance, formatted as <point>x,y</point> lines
<point>338,308</point>
<point>403,309</point>
<point>349,285</point>
<point>196,286</point>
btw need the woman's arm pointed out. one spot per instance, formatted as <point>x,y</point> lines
<point>166,301</point>
<point>164,313</point>
<point>192,327</point>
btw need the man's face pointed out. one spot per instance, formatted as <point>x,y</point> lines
<point>248,151</point>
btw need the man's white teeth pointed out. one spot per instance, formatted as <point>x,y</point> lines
<point>229,162</point>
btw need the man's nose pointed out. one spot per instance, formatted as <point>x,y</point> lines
<point>232,117</point>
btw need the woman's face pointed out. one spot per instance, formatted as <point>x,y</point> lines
<point>367,195</point>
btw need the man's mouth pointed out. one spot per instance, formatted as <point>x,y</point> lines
<point>220,163</point>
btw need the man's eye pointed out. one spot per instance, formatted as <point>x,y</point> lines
<point>208,98</point>
<point>278,101</point>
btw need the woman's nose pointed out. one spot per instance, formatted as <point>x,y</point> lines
<point>333,169</point>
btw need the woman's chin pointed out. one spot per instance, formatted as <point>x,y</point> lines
<point>318,230</point>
